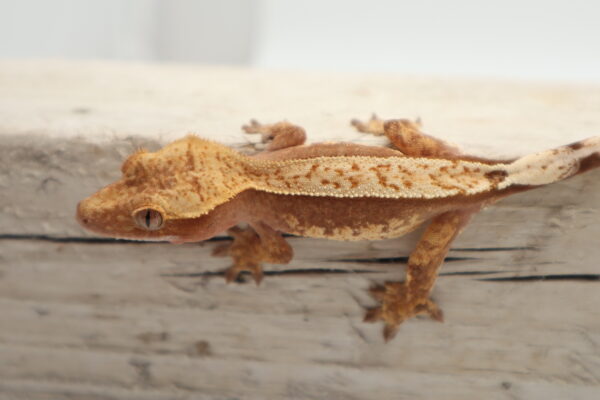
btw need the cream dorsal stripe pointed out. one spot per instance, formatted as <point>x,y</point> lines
<point>192,176</point>
<point>361,176</point>
<point>409,177</point>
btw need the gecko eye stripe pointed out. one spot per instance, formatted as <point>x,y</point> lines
<point>148,219</point>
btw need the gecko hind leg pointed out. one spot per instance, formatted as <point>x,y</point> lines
<point>399,301</point>
<point>252,246</point>
<point>407,137</point>
<point>278,135</point>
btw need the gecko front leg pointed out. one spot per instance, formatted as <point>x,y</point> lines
<point>258,242</point>
<point>252,246</point>
<point>279,135</point>
<point>402,300</point>
<point>407,137</point>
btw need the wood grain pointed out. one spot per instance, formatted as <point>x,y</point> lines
<point>82,318</point>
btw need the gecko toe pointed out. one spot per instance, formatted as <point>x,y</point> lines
<point>377,292</point>
<point>372,314</point>
<point>359,125</point>
<point>233,273</point>
<point>221,250</point>
<point>257,274</point>
<point>431,309</point>
<point>373,126</point>
<point>396,304</point>
<point>252,127</point>
<point>389,331</point>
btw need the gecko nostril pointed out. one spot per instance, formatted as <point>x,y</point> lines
<point>82,220</point>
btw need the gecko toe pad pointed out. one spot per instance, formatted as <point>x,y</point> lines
<point>232,273</point>
<point>374,126</point>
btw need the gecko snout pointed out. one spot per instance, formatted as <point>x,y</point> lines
<point>101,217</point>
<point>80,218</point>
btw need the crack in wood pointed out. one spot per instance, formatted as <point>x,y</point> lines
<point>318,271</point>
<point>549,277</point>
<point>516,248</point>
<point>69,239</point>
<point>393,260</point>
<point>291,271</point>
<point>337,271</point>
<point>472,273</point>
<point>101,240</point>
<point>325,271</point>
<point>90,240</point>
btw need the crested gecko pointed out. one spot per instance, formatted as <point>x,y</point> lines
<point>194,189</point>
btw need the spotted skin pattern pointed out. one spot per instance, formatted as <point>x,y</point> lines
<point>194,189</point>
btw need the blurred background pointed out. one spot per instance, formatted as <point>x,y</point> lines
<point>522,39</point>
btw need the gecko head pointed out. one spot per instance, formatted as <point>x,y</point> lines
<point>115,211</point>
<point>160,191</point>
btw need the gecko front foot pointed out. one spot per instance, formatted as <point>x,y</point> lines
<point>279,135</point>
<point>246,252</point>
<point>396,305</point>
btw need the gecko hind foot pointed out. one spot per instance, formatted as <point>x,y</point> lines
<point>396,306</point>
<point>377,126</point>
<point>256,127</point>
<point>277,136</point>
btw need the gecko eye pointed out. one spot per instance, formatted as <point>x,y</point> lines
<point>148,218</point>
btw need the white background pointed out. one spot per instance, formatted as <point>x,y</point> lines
<point>524,39</point>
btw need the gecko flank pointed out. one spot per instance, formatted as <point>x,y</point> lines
<point>194,189</point>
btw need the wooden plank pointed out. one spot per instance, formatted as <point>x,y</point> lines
<point>91,319</point>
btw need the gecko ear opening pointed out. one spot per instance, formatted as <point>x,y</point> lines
<point>150,219</point>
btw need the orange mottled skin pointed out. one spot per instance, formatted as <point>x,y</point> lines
<point>193,189</point>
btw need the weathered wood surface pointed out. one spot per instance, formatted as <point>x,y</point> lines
<point>88,319</point>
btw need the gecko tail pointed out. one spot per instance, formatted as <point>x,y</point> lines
<point>556,164</point>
